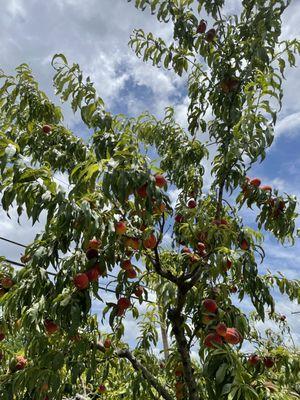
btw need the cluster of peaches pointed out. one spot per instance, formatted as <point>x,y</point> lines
<point>249,187</point>
<point>210,34</point>
<point>221,332</point>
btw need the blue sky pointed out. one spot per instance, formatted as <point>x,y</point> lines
<point>95,34</point>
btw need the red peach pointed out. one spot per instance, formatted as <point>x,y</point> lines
<point>178,218</point>
<point>142,191</point>
<point>255,182</point>
<point>244,245</point>
<point>101,389</point>
<point>211,339</point>
<point>131,273</point>
<point>91,253</point>
<point>253,359</point>
<point>46,128</point>
<point>210,35</point>
<point>81,281</point>
<point>93,274</point>
<point>138,291</point>
<point>210,305</point>
<point>150,242</point>
<point>160,180</point>
<point>192,203</point>
<point>201,246</point>
<point>6,282</point>
<point>121,227</point>
<point>50,326</point>
<point>126,264</point>
<point>107,343</point>
<point>221,329</point>
<point>202,26</point>
<point>266,188</point>
<point>269,362</point>
<point>94,244</point>
<point>124,302</point>
<point>232,336</point>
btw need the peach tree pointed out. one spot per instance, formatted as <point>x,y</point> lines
<point>182,267</point>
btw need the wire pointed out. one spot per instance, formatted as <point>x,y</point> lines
<point>22,265</point>
<point>11,241</point>
<point>24,246</point>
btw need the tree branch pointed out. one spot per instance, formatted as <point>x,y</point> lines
<point>177,321</point>
<point>152,380</point>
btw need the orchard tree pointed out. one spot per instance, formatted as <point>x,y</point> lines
<point>117,212</point>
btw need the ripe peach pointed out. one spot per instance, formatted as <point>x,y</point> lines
<point>221,329</point>
<point>178,371</point>
<point>253,359</point>
<point>101,389</point>
<point>255,182</point>
<point>124,303</point>
<point>192,203</point>
<point>81,281</point>
<point>46,128</point>
<point>269,362</point>
<point>94,244</point>
<point>101,268</point>
<point>142,191</point>
<point>223,222</point>
<point>150,242</point>
<point>186,250</point>
<point>44,387</point>
<point>25,258</point>
<point>195,258</point>
<point>210,305</point>
<point>244,244</point>
<point>178,218</point>
<point>210,35</point>
<point>134,243</point>
<point>233,289</point>
<point>131,273</point>
<point>50,326</point>
<point>266,188</point>
<point>6,282</point>
<point>160,180</point>
<point>202,26</point>
<point>107,343</point>
<point>126,264</point>
<point>201,246</point>
<point>121,227</point>
<point>232,336</point>
<point>21,363</point>
<point>138,291</point>
<point>211,339</point>
<point>91,253</point>
<point>93,274</point>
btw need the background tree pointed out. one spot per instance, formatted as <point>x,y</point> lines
<point>117,212</point>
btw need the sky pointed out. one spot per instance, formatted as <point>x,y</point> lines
<point>95,33</point>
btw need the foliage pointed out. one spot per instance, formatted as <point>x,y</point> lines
<point>118,196</point>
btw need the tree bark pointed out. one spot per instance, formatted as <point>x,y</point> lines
<point>151,379</point>
<point>146,374</point>
<point>177,320</point>
<point>164,334</point>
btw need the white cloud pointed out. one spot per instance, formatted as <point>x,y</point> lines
<point>289,125</point>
